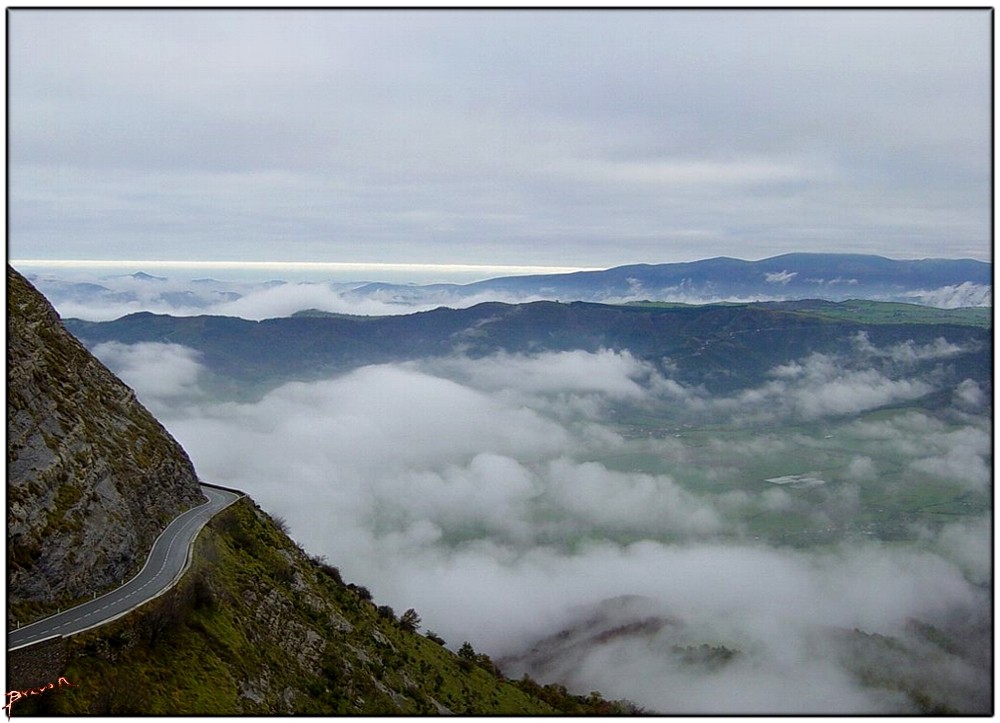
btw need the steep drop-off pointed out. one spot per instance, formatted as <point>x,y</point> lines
<point>92,477</point>
<point>258,627</point>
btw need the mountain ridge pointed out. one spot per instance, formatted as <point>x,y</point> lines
<point>942,283</point>
<point>724,347</point>
<point>870,274</point>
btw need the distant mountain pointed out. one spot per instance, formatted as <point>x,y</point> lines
<point>835,277</point>
<point>722,347</point>
<point>139,291</point>
<point>143,276</point>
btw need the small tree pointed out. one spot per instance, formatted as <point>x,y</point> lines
<point>386,612</point>
<point>486,662</point>
<point>466,657</point>
<point>410,620</point>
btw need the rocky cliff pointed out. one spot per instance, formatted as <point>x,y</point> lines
<point>92,477</point>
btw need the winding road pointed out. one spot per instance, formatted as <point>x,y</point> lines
<point>167,561</point>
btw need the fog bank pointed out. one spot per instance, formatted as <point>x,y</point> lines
<point>501,500</point>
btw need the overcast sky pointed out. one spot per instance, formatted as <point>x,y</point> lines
<point>563,138</point>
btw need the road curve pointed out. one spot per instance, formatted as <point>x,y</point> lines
<point>167,561</point>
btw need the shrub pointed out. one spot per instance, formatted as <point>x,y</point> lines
<point>331,572</point>
<point>361,591</point>
<point>410,620</point>
<point>204,596</point>
<point>284,571</point>
<point>280,522</point>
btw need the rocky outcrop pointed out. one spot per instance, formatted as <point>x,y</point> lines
<point>92,477</point>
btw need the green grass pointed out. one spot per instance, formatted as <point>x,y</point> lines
<point>240,618</point>
<point>716,459</point>
<point>856,310</point>
<point>886,312</point>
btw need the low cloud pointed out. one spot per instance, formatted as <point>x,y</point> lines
<point>957,296</point>
<point>569,385</point>
<point>780,277</point>
<point>500,499</point>
<point>908,352</point>
<point>861,468</point>
<point>94,297</point>
<point>286,299</point>
<point>103,298</point>
<point>963,455</point>
<point>165,373</point>
<point>742,630</point>
<point>821,385</point>
<point>968,395</point>
<point>614,374</point>
<point>970,546</point>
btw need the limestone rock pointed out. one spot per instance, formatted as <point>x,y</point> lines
<point>92,477</point>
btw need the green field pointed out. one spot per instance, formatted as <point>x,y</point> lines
<point>885,312</point>
<point>860,311</point>
<point>878,478</point>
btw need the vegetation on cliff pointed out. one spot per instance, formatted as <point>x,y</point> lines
<point>92,476</point>
<point>257,626</point>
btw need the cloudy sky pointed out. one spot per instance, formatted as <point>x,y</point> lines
<point>524,138</point>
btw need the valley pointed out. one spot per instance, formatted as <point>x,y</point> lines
<point>583,361</point>
<point>807,465</point>
<point>538,460</point>
<point>566,485</point>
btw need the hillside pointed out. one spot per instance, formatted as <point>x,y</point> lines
<point>92,477</point>
<point>871,312</point>
<point>723,347</point>
<point>259,627</point>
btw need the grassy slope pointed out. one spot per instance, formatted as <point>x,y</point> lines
<point>859,311</point>
<point>258,627</point>
<point>884,312</point>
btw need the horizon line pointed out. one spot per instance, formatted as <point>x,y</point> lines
<point>297,265</point>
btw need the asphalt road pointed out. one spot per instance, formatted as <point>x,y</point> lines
<point>167,561</point>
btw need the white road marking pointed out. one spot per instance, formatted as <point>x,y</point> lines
<point>180,527</point>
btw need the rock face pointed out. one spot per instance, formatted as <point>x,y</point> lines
<point>92,477</point>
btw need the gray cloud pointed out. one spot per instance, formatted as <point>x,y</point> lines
<point>472,492</point>
<point>952,297</point>
<point>613,137</point>
<point>166,373</point>
<point>969,395</point>
<point>818,386</point>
